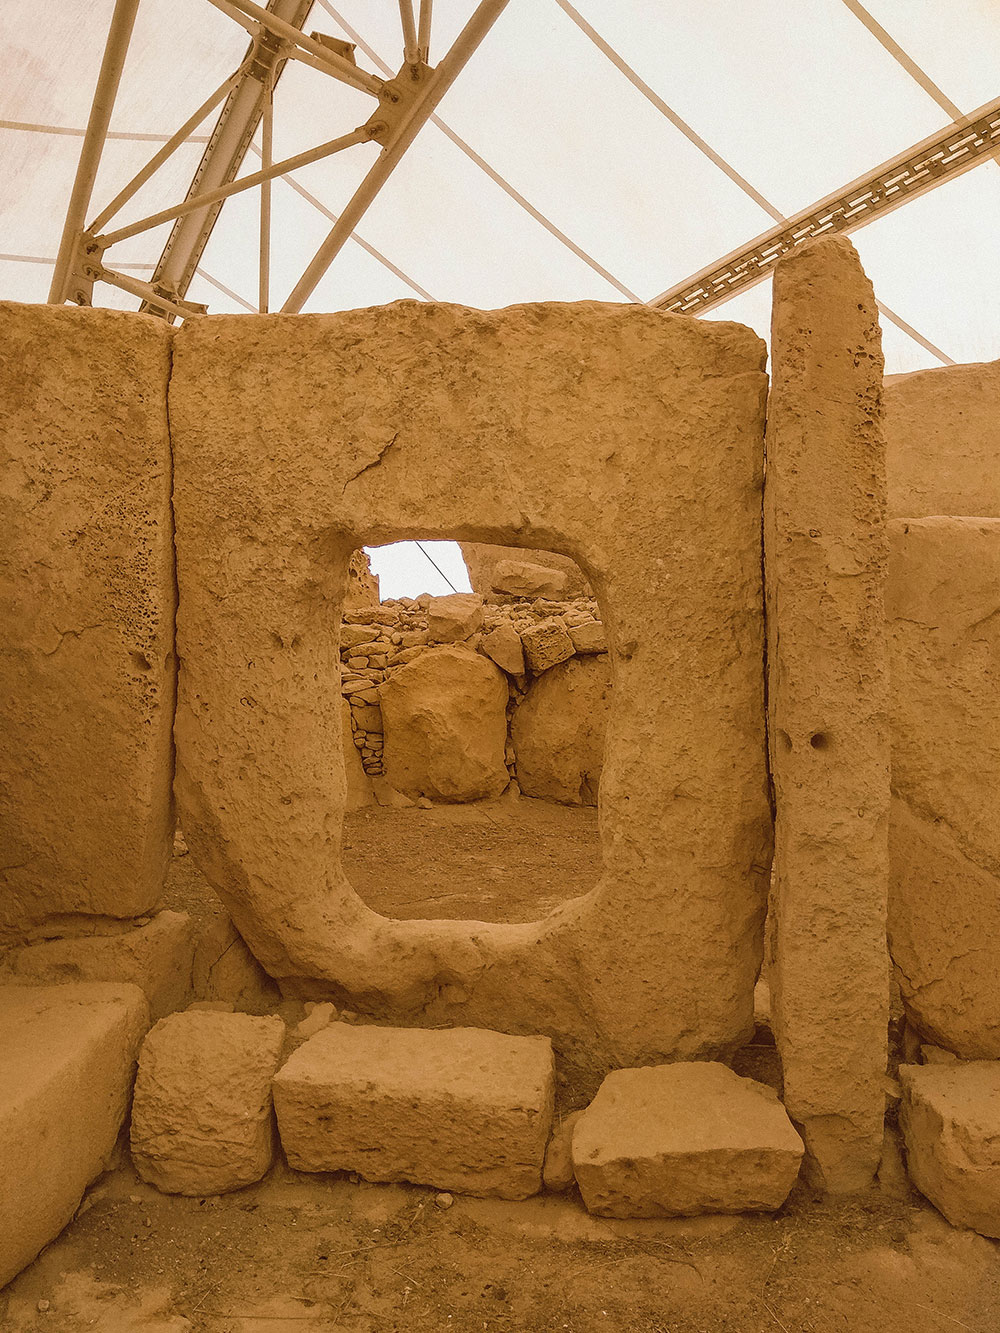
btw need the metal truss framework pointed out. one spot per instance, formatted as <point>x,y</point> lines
<point>942,156</point>
<point>406,101</point>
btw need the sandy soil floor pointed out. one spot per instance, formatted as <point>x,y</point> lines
<point>315,1254</point>
<point>301,1254</point>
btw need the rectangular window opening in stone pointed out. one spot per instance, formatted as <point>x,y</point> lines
<point>474,721</point>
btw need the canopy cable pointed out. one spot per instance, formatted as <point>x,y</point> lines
<point>720,161</point>
<point>420,547</point>
<point>484,166</point>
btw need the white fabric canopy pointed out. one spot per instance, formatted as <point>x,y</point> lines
<point>798,97</point>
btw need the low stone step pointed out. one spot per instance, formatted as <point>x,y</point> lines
<point>681,1139</point>
<point>201,1120</point>
<point>461,1109</point>
<point>950,1117</point>
<point>67,1059</point>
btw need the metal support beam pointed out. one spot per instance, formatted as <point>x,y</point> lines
<point>115,51</point>
<point>424,31</point>
<point>939,158</point>
<point>224,153</point>
<point>322,56</point>
<point>207,198</point>
<point>407,129</point>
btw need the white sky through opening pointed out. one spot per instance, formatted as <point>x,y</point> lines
<point>406,569</point>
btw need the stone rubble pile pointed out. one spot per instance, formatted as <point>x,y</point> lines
<point>523,633</point>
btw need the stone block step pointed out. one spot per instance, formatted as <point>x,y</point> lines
<point>67,1059</point>
<point>461,1109</point>
<point>681,1139</point>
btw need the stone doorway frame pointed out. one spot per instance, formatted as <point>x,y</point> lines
<point>634,445</point>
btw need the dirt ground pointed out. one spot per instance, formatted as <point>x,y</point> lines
<point>323,1253</point>
<point>300,1254</point>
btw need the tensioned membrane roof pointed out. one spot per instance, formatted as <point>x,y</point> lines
<point>606,149</point>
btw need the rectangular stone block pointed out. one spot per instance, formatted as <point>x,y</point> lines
<point>950,1117</point>
<point>86,614</point>
<point>157,957</point>
<point>825,562</point>
<point>941,440</point>
<point>682,1139</point>
<point>67,1059</point>
<point>463,1109</point>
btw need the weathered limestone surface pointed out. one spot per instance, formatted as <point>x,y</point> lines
<point>359,787</point>
<point>225,969</point>
<point>559,730</point>
<point>941,441</point>
<point>943,608</point>
<point>462,1109</point>
<point>482,561</point>
<point>546,644</point>
<point>681,1139</point>
<point>503,646</point>
<point>202,1119</point>
<point>298,439</point>
<point>157,958</point>
<point>446,726</point>
<point>950,1116</point>
<point>825,566</point>
<point>67,1059</point>
<point>455,617</point>
<point>86,614</point>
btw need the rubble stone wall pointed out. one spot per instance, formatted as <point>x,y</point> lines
<point>524,637</point>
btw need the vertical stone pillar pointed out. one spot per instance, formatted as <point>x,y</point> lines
<point>87,592</point>
<point>826,556</point>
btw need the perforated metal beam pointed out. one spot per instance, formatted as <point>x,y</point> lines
<point>223,156</point>
<point>941,157</point>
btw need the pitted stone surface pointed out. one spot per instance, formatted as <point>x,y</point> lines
<point>202,1121</point>
<point>941,441</point>
<point>559,730</point>
<point>681,1139</point>
<point>462,1109</point>
<point>67,1060</point>
<point>950,1117</point>
<point>453,618</point>
<point>446,726</point>
<point>943,607</point>
<point>825,565</point>
<point>87,608</point>
<point>634,445</point>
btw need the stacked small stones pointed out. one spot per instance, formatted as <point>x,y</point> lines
<point>523,634</point>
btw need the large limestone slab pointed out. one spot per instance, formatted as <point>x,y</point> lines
<point>86,614</point>
<point>950,1117</point>
<point>559,729</point>
<point>445,725</point>
<point>628,440</point>
<point>67,1060</point>
<point>682,1139</point>
<point>941,436</point>
<point>157,957</point>
<point>202,1120</point>
<point>463,1109</point>
<point>943,606</point>
<point>483,560</point>
<point>825,568</point>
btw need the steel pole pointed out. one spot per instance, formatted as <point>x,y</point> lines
<point>443,77</point>
<point>115,51</point>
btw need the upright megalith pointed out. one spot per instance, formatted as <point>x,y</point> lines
<point>86,615</point>
<point>631,441</point>
<point>825,571</point>
<point>943,609</point>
